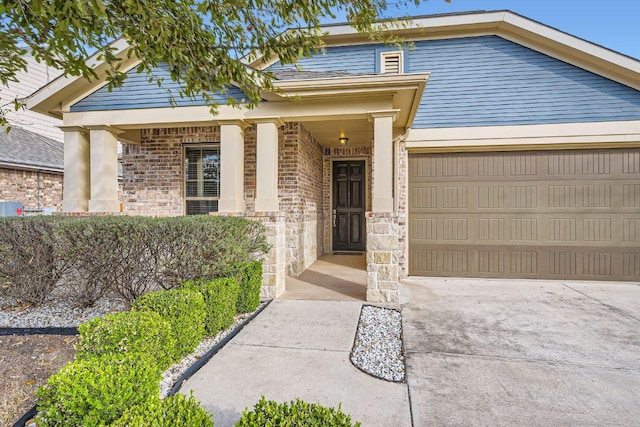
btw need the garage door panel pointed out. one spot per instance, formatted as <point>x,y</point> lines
<point>555,262</point>
<point>561,214</point>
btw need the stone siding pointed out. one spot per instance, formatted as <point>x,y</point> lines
<point>35,189</point>
<point>340,153</point>
<point>382,257</point>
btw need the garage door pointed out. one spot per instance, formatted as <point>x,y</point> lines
<point>551,214</point>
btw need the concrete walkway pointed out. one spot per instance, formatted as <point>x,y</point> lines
<point>479,353</point>
<point>298,349</point>
<point>516,353</point>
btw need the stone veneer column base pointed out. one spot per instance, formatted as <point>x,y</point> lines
<point>382,257</point>
<point>274,261</point>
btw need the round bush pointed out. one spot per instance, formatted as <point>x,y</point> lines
<point>133,332</point>
<point>220,297</point>
<point>96,391</point>
<point>178,410</point>
<point>184,309</point>
<point>268,413</point>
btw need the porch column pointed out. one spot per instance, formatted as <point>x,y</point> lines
<point>382,222</point>
<point>232,166</point>
<point>103,147</point>
<point>76,181</point>
<point>382,162</point>
<point>267,165</point>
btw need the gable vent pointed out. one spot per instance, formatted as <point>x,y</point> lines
<point>391,63</point>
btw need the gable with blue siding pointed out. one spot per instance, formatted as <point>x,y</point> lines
<point>138,92</point>
<point>490,81</point>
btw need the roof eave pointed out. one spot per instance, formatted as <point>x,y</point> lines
<point>55,97</point>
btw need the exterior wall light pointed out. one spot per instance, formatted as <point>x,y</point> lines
<point>343,140</point>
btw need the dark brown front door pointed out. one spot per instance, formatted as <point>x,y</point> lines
<point>348,205</point>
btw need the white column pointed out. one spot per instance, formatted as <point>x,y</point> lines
<point>104,169</point>
<point>382,191</point>
<point>267,166</point>
<point>76,181</point>
<point>232,166</point>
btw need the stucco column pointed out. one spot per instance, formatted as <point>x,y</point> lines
<point>232,166</point>
<point>76,182</point>
<point>267,165</point>
<point>103,149</point>
<point>382,161</point>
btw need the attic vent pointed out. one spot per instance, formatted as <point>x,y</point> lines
<point>391,63</point>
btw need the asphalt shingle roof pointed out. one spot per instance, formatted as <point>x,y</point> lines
<point>21,147</point>
<point>292,74</point>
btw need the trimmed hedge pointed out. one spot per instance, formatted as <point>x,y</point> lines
<point>126,254</point>
<point>29,270</point>
<point>220,296</point>
<point>249,276</point>
<point>184,309</point>
<point>178,410</point>
<point>133,332</point>
<point>295,413</point>
<point>96,391</point>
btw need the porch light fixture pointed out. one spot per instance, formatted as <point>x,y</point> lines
<point>343,140</point>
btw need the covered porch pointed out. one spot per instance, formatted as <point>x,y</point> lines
<point>276,163</point>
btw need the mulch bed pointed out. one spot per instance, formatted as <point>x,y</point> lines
<point>25,364</point>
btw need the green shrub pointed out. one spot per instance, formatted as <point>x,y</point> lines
<point>109,253</point>
<point>133,332</point>
<point>296,413</point>
<point>29,271</point>
<point>249,276</point>
<point>96,392</point>
<point>184,309</point>
<point>178,410</point>
<point>220,296</point>
<point>203,246</point>
<point>129,255</point>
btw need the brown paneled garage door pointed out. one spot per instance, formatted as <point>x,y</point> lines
<point>547,214</point>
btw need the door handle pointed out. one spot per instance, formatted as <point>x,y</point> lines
<point>335,214</point>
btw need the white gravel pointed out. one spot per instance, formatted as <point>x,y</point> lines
<point>171,375</point>
<point>377,349</point>
<point>60,313</point>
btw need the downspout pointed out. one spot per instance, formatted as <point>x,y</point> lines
<point>38,189</point>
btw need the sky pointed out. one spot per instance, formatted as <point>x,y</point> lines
<point>614,24</point>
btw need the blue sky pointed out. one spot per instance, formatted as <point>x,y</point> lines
<point>614,24</point>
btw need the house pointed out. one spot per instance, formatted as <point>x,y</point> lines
<point>495,146</point>
<point>31,168</point>
<point>31,155</point>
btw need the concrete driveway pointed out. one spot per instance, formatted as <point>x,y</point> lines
<point>526,353</point>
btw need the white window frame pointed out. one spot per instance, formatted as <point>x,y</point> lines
<point>187,199</point>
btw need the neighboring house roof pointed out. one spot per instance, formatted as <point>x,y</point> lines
<point>23,149</point>
<point>58,96</point>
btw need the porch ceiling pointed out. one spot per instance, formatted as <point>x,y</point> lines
<point>326,133</point>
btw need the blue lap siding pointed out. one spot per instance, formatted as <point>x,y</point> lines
<point>138,92</point>
<point>475,81</point>
<point>490,81</point>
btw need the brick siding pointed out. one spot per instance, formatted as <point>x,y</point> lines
<point>35,189</point>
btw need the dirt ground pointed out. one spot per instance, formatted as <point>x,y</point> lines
<point>25,364</point>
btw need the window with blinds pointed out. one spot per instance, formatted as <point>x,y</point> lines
<point>202,178</point>
<point>391,63</point>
